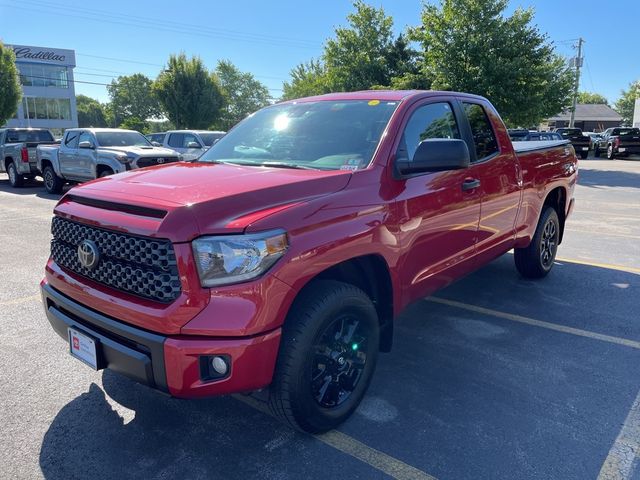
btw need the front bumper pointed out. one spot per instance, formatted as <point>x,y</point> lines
<point>168,363</point>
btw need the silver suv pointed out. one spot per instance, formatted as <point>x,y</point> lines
<point>189,143</point>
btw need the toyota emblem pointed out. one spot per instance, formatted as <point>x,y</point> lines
<point>161,160</point>
<point>88,254</point>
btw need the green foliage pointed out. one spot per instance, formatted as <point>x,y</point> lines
<point>189,94</point>
<point>135,123</point>
<point>626,103</point>
<point>243,94</point>
<point>10,89</point>
<point>471,46</point>
<point>90,112</point>
<point>132,96</point>
<point>307,79</point>
<point>363,55</point>
<point>590,97</point>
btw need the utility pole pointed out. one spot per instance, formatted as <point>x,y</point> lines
<point>578,63</point>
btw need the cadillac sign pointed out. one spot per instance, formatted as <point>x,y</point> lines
<point>43,55</point>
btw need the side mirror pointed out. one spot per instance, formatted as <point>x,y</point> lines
<point>436,155</point>
<point>86,144</point>
<point>193,145</point>
<point>156,144</point>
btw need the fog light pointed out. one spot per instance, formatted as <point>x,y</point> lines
<point>219,365</point>
<point>214,367</point>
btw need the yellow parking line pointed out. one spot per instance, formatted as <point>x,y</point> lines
<point>16,301</point>
<point>537,323</point>
<point>610,266</point>
<point>624,455</point>
<point>350,446</point>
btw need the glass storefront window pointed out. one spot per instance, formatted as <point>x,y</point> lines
<point>36,75</point>
<point>46,108</point>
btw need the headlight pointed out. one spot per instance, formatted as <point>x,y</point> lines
<point>124,159</point>
<point>237,258</point>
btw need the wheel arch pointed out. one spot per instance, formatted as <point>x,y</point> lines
<point>372,275</point>
<point>557,199</point>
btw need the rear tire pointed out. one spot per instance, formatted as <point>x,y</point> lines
<point>327,356</point>
<point>596,152</point>
<point>610,154</point>
<point>15,179</point>
<point>52,182</point>
<point>536,260</point>
<point>584,155</point>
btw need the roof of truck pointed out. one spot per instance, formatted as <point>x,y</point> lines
<point>383,95</point>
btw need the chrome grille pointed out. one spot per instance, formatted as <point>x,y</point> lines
<point>145,267</point>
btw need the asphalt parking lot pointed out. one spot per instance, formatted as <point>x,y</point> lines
<point>495,377</point>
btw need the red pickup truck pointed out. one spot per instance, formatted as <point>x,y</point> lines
<point>281,257</point>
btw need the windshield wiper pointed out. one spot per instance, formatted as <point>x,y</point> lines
<point>287,165</point>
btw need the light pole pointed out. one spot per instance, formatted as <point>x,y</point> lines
<point>578,62</point>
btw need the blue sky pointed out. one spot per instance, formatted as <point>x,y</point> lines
<point>269,38</point>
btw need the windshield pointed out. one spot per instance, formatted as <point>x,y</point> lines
<point>209,138</point>
<point>121,139</point>
<point>570,131</point>
<point>28,136</point>
<point>323,135</point>
<point>626,131</point>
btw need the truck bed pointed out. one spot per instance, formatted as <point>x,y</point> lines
<point>521,147</point>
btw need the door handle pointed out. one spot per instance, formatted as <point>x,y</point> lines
<point>470,184</point>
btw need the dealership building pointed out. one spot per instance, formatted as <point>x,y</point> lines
<point>48,93</point>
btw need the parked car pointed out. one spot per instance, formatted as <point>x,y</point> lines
<point>621,141</point>
<point>89,153</point>
<point>521,135</point>
<point>18,152</point>
<point>593,138</point>
<point>579,141</point>
<point>280,258</point>
<point>189,143</point>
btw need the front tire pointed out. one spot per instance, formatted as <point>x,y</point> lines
<point>327,356</point>
<point>105,173</point>
<point>536,260</point>
<point>15,179</point>
<point>596,152</point>
<point>52,182</point>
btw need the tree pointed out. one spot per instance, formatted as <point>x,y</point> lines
<point>132,96</point>
<point>589,97</point>
<point>472,46</point>
<point>307,79</point>
<point>90,112</point>
<point>243,94</point>
<point>10,89</point>
<point>626,103</point>
<point>363,55</point>
<point>189,94</point>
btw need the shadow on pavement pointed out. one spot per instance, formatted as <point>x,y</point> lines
<point>32,187</point>
<point>162,437</point>
<point>608,178</point>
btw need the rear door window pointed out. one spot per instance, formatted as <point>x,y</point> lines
<point>71,140</point>
<point>484,138</point>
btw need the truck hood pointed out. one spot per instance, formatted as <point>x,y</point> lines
<point>142,152</point>
<point>197,198</point>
